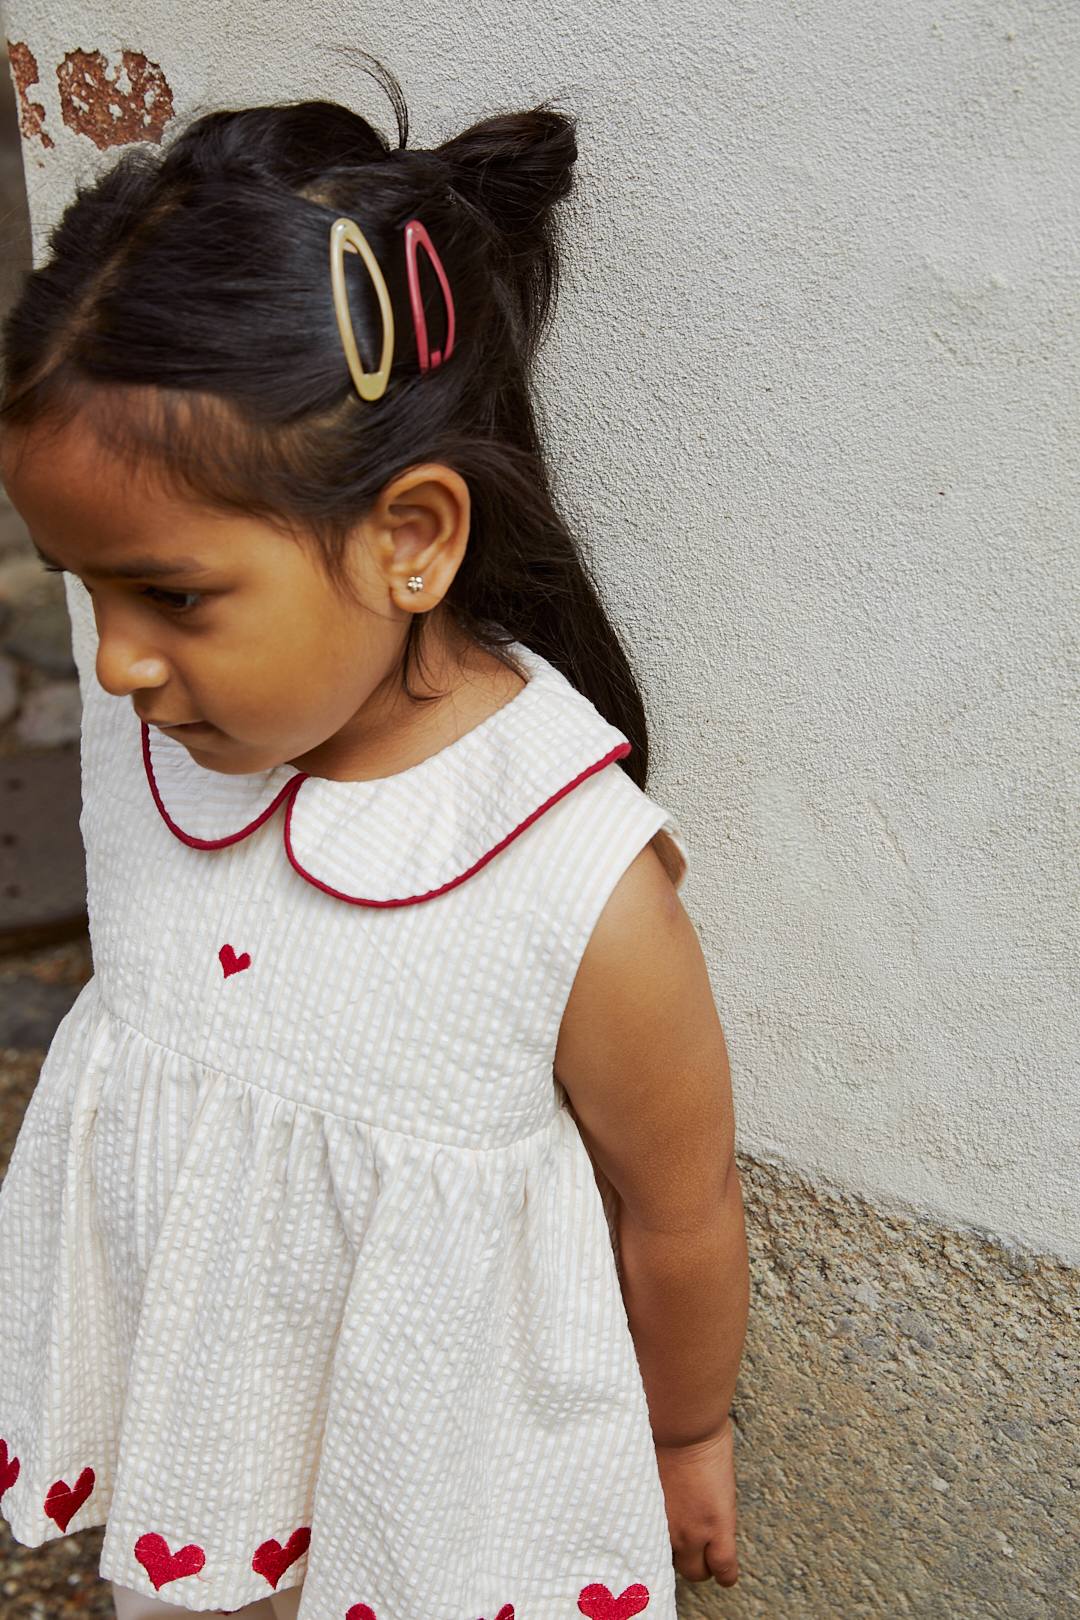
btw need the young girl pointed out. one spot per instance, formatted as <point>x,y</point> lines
<point>372,1248</point>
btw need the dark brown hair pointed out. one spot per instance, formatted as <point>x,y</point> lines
<point>185,311</point>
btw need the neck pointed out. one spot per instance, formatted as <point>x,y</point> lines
<point>392,732</point>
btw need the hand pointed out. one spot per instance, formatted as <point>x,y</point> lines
<point>699,1493</point>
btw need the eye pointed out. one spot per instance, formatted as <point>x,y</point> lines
<point>178,602</point>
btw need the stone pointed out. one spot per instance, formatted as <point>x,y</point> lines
<point>40,634</point>
<point>30,1012</point>
<point>24,582</point>
<point>9,688</point>
<point>13,540</point>
<point>42,861</point>
<point>50,714</point>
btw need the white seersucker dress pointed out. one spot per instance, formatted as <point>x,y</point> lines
<point>307,1273</point>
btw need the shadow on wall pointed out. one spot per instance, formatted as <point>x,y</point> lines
<point>42,866</point>
<point>16,255</point>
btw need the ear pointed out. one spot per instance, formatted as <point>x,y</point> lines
<point>421,522</point>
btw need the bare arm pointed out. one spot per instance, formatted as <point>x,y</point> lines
<point>642,1057</point>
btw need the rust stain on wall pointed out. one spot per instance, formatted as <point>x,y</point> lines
<point>24,73</point>
<point>108,111</point>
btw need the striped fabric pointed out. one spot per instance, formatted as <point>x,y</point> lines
<point>307,1275</point>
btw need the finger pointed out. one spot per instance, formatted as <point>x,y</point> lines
<point>690,1562</point>
<point>723,1560</point>
<point>726,1574</point>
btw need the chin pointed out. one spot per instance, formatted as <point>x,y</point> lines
<point>230,763</point>
<point>239,767</point>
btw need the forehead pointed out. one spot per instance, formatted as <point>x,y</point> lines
<point>65,471</point>
<point>83,504</point>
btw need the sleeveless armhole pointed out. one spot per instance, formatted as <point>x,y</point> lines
<point>604,825</point>
<point>607,822</point>
<point>670,846</point>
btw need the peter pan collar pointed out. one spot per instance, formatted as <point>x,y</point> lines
<point>408,837</point>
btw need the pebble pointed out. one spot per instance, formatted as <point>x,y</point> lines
<point>13,541</point>
<point>40,633</point>
<point>51,714</point>
<point>25,583</point>
<point>30,1012</point>
<point>9,687</point>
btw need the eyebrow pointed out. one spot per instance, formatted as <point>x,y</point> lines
<point>141,567</point>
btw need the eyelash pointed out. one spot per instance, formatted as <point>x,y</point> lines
<point>171,606</point>
<point>152,591</point>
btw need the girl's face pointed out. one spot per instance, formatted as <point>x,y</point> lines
<point>224,621</point>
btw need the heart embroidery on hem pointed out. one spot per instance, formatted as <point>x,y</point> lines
<point>63,1501</point>
<point>363,1611</point>
<point>9,1468</point>
<point>272,1559</point>
<point>599,1604</point>
<point>231,962</point>
<point>161,1565</point>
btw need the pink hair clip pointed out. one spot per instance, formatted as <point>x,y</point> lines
<point>416,236</point>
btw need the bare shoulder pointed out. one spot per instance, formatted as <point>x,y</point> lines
<point>642,932</point>
<point>641,1052</point>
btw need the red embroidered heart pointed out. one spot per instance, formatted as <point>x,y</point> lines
<point>9,1470</point>
<point>231,962</point>
<point>272,1559</point>
<point>63,1501</point>
<point>597,1602</point>
<point>506,1612</point>
<point>360,1611</point>
<point>161,1565</point>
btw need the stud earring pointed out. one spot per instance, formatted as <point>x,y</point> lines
<point>415,582</point>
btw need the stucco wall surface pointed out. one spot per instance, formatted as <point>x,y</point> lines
<point>812,398</point>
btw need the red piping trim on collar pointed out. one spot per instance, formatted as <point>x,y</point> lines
<point>617,752</point>
<point>291,786</point>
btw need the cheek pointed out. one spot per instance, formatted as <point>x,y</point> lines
<point>318,650</point>
<point>314,672</point>
<point>291,657</point>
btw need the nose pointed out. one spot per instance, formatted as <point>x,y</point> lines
<point>125,664</point>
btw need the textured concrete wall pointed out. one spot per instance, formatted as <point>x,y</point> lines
<point>813,403</point>
<point>908,1420</point>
